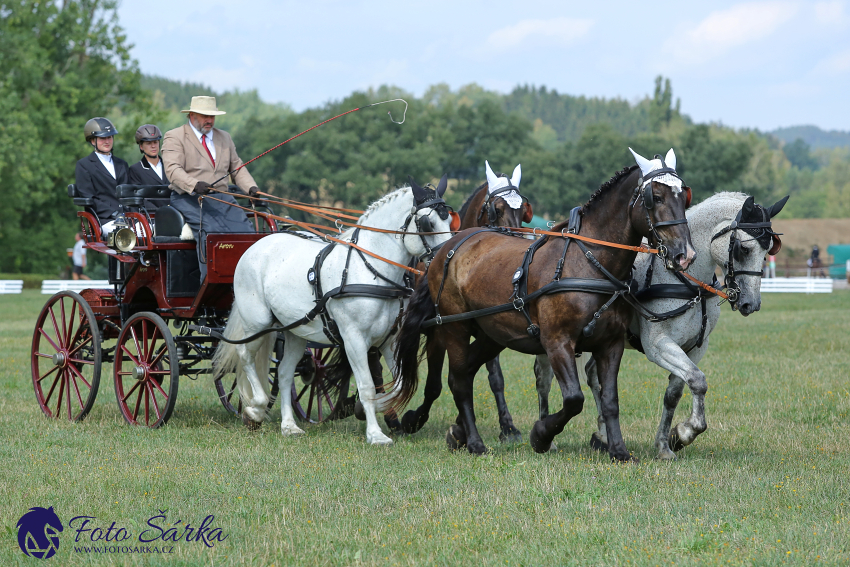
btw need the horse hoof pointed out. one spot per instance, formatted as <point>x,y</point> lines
<point>413,422</point>
<point>681,436</point>
<point>538,439</point>
<point>511,435</point>
<point>553,448</point>
<point>477,449</point>
<point>666,455</point>
<point>597,443</point>
<point>456,438</point>
<point>381,440</point>
<point>394,424</point>
<point>359,412</point>
<point>626,458</point>
<point>290,430</point>
<point>250,424</point>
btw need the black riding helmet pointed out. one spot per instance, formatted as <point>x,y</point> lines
<point>99,127</point>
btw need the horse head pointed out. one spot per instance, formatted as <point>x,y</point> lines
<point>429,213</point>
<point>505,205</point>
<point>658,210</point>
<point>740,247</point>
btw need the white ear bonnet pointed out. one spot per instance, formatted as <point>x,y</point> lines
<point>648,166</point>
<point>512,198</point>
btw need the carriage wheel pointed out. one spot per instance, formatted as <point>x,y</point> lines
<point>315,398</point>
<point>66,357</point>
<point>229,395</point>
<point>146,371</point>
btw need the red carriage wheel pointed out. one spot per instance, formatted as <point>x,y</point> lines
<point>316,397</point>
<point>66,357</point>
<point>146,371</point>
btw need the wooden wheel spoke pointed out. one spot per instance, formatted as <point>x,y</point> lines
<point>138,348</point>
<point>144,355</point>
<point>80,375</point>
<point>155,405</point>
<point>68,391</point>
<point>65,334</point>
<point>159,387</point>
<point>62,379</point>
<point>48,373</point>
<point>52,387</point>
<point>55,327</point>
<point>310,401</point>
<point>71,321</point>
<point>80,361</point>
<point>46,336</point>
<point>74,350</point>
<point>327,397</point>
<point>42,355</point>
<point>147,404</point>
<point>159,356</point>
<point>130,354</point>
<point>304,389</point>
<point>77,391</point>
<point>138,403</point>
<point>128,394</point>
<point>152,344</point>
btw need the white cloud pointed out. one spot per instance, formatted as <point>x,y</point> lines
<point>556,31</point>
<point>725,30</point>
<point>837,64</point>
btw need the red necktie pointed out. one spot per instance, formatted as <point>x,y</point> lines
<point>204,142</point>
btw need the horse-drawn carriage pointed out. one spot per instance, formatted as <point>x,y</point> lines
<point>146,326</point>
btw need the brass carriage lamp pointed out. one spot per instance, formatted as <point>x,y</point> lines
<point>122,237</point>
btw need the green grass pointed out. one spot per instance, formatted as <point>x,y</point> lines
<point>767,484</point>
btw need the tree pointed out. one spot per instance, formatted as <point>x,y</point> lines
<point>62,64</point>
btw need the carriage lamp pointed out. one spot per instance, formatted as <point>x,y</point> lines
<point>122,237</point>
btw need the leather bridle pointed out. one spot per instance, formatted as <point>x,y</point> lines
<point>423,223</point>
<point>644,192</point>
<point>489,204</point>
<point>733,288</point>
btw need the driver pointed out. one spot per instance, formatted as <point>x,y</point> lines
<point>98,174</point>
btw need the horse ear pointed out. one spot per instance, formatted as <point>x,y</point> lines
<point>441,186</point>
<point>670,159</point>
<point>515,178</point>
<point>418,192</point>
<point>777,207</point>
<point>748,207</point>
<point>644,164</point>
<point>491,177</point>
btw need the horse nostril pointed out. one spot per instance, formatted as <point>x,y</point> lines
<point>682,260</point>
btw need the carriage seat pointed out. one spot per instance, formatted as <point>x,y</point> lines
<point>78,200</point>
<point>143,195</point>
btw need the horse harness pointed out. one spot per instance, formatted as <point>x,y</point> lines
<point>489,204</point>
<point>760,231</point>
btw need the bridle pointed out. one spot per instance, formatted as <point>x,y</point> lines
<point>733,288</point>
<point>489,204</point>
<point>423,222</point>
<point>644,191</point>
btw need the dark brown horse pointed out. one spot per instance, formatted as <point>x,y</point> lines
<point>481,209</point>
<point>477,270</point>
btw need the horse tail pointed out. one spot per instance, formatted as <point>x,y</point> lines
<point>338,369</point>
<point>226,358</point>
<point>408,354</point>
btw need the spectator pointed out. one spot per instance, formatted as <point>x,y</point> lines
<point>78,257</point>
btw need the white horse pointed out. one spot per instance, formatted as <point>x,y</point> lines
<point>678,344</point>
<point>271,288</point>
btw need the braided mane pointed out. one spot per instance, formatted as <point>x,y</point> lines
<point>607,185</point>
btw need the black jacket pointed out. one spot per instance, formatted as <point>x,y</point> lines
<point>141,173</point>
<point>95,181</point>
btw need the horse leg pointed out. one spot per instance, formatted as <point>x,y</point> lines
<point>682,366</point>
<point>377,371</point>
<point>509,433</point>
<point>607,368</point>
<point>599,438</point>
<point>464,362</point>
<point>254,394</point>
<point>563,363</point>
<point>293,350</point>
<point>357,351</point>
<point>413,420</point>
<point>543,375</point>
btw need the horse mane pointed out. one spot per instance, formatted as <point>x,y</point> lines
<point>607,185</point>
<point>465,206</point>
<point>382,201</point>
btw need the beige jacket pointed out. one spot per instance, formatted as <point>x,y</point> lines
<point>186,161</point>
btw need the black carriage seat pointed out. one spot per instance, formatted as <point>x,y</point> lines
<point>149,196</point>
<point>79,200</point>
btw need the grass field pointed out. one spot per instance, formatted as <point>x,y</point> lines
<point>767,484</point>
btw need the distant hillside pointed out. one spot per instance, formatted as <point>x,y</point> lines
<point>813,136</point>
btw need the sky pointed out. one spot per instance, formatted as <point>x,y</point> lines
<point>763,64</point>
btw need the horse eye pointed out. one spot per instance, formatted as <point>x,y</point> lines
<point>656,198</point>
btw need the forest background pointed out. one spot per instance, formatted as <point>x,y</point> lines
<point>65,63</point>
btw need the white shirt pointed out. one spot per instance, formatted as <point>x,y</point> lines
<point>208,136</point>
<point>106,160</point>
<point>157,168</point>
<point>79,253</point>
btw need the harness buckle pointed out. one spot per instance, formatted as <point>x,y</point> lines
<point>450,253</point>
<point>662,251</point>
<point>518,304</point>
<point>439,320</point>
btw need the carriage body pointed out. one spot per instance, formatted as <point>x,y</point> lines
<point>125,329</point>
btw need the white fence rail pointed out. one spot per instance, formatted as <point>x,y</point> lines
<point>11,286</point>
<point>796,285</point>
<point>49,287</point>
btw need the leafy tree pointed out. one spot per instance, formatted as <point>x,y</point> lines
<point>799,154</point>
<point>62,64</point>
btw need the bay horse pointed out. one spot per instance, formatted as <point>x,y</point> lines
<point>282,277</point>
<point>679,342</point>
<point>470,284</point>
<point>483,208</point>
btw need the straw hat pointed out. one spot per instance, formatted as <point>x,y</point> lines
<point>204,105</point>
